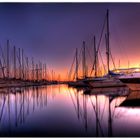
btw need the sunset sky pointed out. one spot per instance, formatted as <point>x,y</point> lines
<point>51,31</point>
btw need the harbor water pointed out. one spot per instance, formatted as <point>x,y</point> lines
<point>60,111</point>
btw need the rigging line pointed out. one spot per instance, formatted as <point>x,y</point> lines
<point>89,55</point>
<point>30,97</point>
<point>103,109</point>
<point>84,112</point>
<point>4,116</point>
<point>102,61</point>
<point>21,108</point>
<point>82,117</point>
<point>69,74</point>
<point>113,114</point>
<point>112,60</point>
<point>120,113</point>
<point>19,59</point>
<point>79,58</point>
<point>97,117</point>
<point>75,106</point>
<point>119,41</point>
<point>2,108</point>
<point>94,58</point>
<point>78,62</point>
<point>72,101</point>
<point>100,40</point>
<point>101,35</point>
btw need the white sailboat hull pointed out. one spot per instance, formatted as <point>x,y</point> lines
<point>108,83</point>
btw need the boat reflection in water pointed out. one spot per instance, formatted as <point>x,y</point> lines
<point>61,111</point>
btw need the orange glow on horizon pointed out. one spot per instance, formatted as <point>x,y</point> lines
<point>63,71</point>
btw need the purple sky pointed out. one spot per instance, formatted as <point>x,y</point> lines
<point>51,31</point>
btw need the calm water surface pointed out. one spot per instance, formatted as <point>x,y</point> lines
<point>61,111</point>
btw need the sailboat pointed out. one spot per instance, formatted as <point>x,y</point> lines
<point>132,77</point>
<point>128,75</point>
<point>107,81</point>
<point>80,82</point>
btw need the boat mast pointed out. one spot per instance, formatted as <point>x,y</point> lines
<point>40,71</point>
<point>33,68</point>
<point>45,72</point>
<point>76,64</point>
<point>107,42</point>
<point>95,54</point>
<point>2,68</point>
<point>27,69</point>
<point>14,62</point>
<point>7,58</point>
<point>19,63</point>
<point>37,72</point>
<point>22,64</point>
<point>84,61</point>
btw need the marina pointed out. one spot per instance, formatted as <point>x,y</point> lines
<point>69,70</point>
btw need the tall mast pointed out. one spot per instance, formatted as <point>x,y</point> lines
<point>76,64</point>
<point>36,72</point>
<point>95,54</point>
<point>84,61</point>
<point>27,69</point>
<point>33,68</point>
<point>40,68</point>
<point>108,41</point>
<point>2,68</point>
<point>7,58</point>
<point>45,72</point>
<point>14,62</point>
<point>19,63</point>
<point>22,63</point>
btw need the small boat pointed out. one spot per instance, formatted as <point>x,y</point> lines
<point>127,75</point>
<point>130,78</point>
<point>107,83</point>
